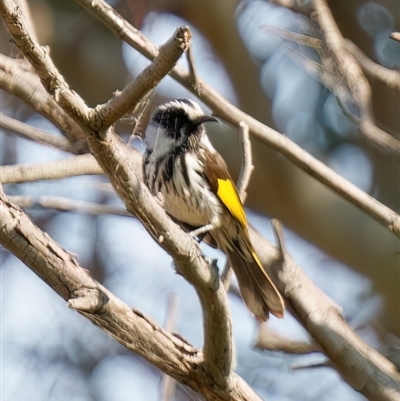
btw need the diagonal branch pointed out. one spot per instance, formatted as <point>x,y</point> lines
<point>390,77</point>
<point>26,85</point>
<point>60,270</point>
<point>68,205</point>
<point>395,36</point>
<point>222,108</point>
<point>113,157</point>
<point>340,73</point>
<point>356,81</point>
<point>36,135</point>
<point>42,63</point>
<point>270,341</point>
<point>360,365</point>
<point>122,102</point>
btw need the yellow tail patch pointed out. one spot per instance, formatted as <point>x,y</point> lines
<point>229,196</point>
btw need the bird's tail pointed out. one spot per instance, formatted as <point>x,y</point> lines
<point>258,291</point>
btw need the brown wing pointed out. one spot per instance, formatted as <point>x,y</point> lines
<point>224,188</point>
<point>215,168</point>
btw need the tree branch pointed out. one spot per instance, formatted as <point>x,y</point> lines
<point>15,79</point>
<point>168,383</point>
<point>395,36</point>
<point>268,340</point>
<point>39,58</point>
<point>68,205</point>
<point>390,77</point>
<point>247,162</point>
<point>341,74</point>
<point>79,165</point>
<point>28,132</point>
<point>356,83</point>
<point>222,108</point>
<point>113,157</point>
<point>361,366</point>
<point>105,115</point>
<point>138,333</point>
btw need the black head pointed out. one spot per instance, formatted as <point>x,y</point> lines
<point>176,125</point>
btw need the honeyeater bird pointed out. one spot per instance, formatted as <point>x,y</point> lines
<point>196,189</point>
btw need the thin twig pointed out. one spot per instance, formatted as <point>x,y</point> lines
<point>141,116</point>
<point>336,74</point>
<point>270,341</point>
<point>168,383</point>
<point>355,81</point>
<point>67,205</point>
<point>36,135</point>
<point>104,116</point>
<point>280,240</point>
<point>390,77</point>
<point>192,69</point>
<point>395,36</point>
<point>15,79</point>
<point>312,365</point>
<point>247,161</point>
<point>78,165</point>
<point>361,366</point>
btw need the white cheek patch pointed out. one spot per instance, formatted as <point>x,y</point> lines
<point>150,136</point>
<point>157,141</point>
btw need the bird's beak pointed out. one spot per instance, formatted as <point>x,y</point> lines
<point>204,119</point>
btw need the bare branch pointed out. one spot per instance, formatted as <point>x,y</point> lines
<point>294,153</point>
<point>312,365</point>
<point>356,81</point>
<point>168,383</point>
<point>187,256</point>
<point>104,116</point>
<point>67,205</point>
<point>390,77</point>
<point>129,327</point>
<point>305,299</point>
<point>340,74</point>
<point>79,165</point>
<point>395,36</point>
<point>192,68</point>
<point>270,341</point>
<point>42,63</point>
<point>247,161</point>
<point>113,156</point>
<point>278,231</point>
<point>15,79</point>
<point>28,132</point>
<point>361,366</point>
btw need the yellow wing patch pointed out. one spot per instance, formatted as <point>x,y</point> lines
<point>229,196</point>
